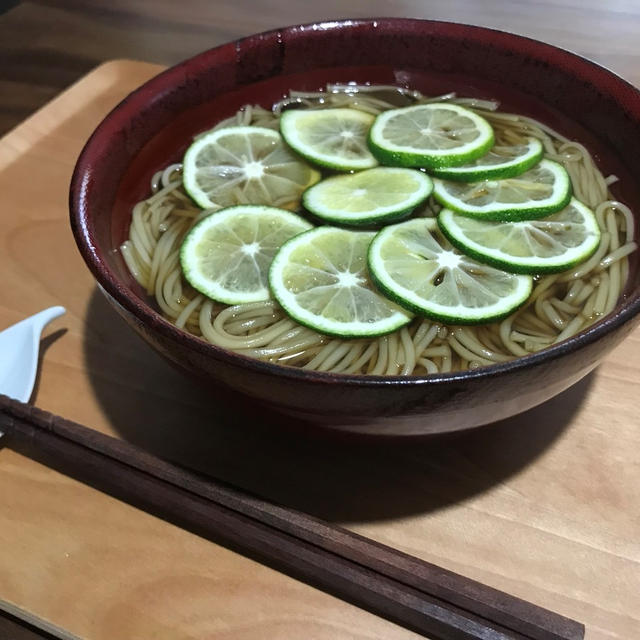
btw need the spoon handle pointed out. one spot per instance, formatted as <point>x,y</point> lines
<point>402,588</point>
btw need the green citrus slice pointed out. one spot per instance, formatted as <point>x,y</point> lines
<point>227,255</point>
<point>245,165</point>
<point>502,161</point>
<point>545,245</point>
<point>414,265</point>
<point>320,278</point>
<point>332,138</point>
<point>429,136</point>
<point>544,189</point>
<point>372,196</point>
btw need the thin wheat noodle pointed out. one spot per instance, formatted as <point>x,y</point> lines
<point>323,354</point>
<point>464,337</point>
<point>167,243</point>
<point>429,365</point>
<point>366,357</point>
<point>590,264</point>
<point>297,358</point>
<point>461,350</point>
<point>168,293</point>
<point>421,330</point>
<point>516,336</point>
<point>271,351</point>
<point>139,226</point>
<point>618,254</point>
<point>624,272</point>
<point>574,290</point>
<point>380,364</point>
<point>505,334</point>
<point>561,305</point>
<point>409,353</point>
<point>532,322</point>
<point>585,292</point>
<point>350,357</point>
<point>141,242</point>
<point>181,320</point>
<point>614,286</point>
<point>249,326</point>
<point>490,338</point>
<point>522,328</point>
<point>554,317</point>
<point>543,287</point>
<point>336,355</point>
<point>571,329</point>
<point>393,363</point>
<point>612,229</point>
<point>601,295</point>
<point>428,337</point>
<point>589,305</point>
<point>437,351</point>
<point>295,333</point>
<point>169,172</point>
<point>168,269</point>
<point>259,339</point>
<point>446,364</point>
<point>137,269</point>
<point>538,305</point>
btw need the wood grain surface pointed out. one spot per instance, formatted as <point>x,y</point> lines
<point>544,505</point>
<point>38,60</point>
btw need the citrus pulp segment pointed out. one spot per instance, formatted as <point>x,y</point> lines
<point>545,245</point>
<point>429,136</point>
<point>227,255</point>
<point>320,279</point>
<point>332,138</point>
<point>502,161</point>
<point>544,189</point>
<point>414,265</point>
<point>371,196</point>
<point>244,165</point>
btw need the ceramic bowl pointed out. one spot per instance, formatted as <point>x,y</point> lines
<point>154,125</point>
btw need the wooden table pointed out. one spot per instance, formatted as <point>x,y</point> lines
<point>45,45</point>
<point>544,505</point>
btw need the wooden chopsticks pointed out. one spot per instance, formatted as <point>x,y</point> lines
<point>402,588</point>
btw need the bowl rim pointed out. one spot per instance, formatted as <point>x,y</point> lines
<point>108,281</point>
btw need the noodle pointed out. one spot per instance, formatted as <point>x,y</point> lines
<point>560,306</point>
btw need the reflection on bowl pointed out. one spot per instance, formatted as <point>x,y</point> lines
<point>153,126</point>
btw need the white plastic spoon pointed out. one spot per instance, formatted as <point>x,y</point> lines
<point>19,349</point>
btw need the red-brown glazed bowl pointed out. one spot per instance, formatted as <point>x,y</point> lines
<point>154,125</point>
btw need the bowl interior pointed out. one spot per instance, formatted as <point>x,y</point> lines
<point>153,127</point>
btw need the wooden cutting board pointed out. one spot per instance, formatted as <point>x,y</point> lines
<point>545,505</point>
